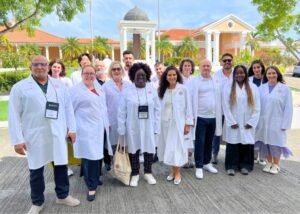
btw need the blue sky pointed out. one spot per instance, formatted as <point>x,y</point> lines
<point>173,14</point>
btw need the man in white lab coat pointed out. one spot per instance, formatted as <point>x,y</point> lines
<point>40,117</point>
<point>222,77</point>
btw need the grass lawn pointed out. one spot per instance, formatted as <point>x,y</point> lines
<point>295,89</point>
<point>3,110</point>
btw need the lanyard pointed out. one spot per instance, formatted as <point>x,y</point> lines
<point>47,89</point>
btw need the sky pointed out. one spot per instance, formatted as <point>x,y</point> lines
<point>187,14</point>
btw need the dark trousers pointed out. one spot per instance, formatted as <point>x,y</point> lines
<point>37,183</point>
<point>91,171</point>
<point>135,163</point>
<point>239,156</point>
<point>205,131</point>
<point>217,141</point>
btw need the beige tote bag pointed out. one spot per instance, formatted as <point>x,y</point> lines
<point>122,167</point>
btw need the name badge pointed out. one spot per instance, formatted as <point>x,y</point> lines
<point>51,110</point>
<point>143,112</point>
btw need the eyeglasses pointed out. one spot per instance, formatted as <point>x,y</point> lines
<point>226,60</point>
<point>36,64</point>
<point>116,69</point>
<point>89,74</point>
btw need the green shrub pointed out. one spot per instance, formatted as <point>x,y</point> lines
<point>8,79</point>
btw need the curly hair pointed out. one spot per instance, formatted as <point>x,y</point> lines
<point>135,67</point>
<point>247,85</point>
<point>279,75</point>
<point>163,83</point>
<point>258,61</point>
<point>63,68</point>
<point>187,60</point>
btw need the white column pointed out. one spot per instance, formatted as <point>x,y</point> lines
<point>147,48</point>
<point>243,40</point>
<point>153,47</point>
<point>121,45</point>
<point>60,53</point>
<point>125,39</point>
<point>17,48</point>
<point>208,45</point>
<point>216,48</point>
<point>112,53</point>
<point>47,52</point>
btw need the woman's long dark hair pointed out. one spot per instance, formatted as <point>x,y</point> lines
<point>163,83</point>
<point>247,85</point>
<point>63,68</point>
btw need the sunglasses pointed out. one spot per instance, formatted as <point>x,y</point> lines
<point>226,60</point>
<point>116,69</point>
<point>36,64</point>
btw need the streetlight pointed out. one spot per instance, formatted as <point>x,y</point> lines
<point>158,26</point>
<point>91,29</point>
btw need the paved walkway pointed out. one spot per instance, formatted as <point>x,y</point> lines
<point>256,193</point>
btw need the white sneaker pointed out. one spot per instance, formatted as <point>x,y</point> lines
<point>69,201</point>
<point>35,209</point>
<point>134,182</point>
<point>199,173</point>
<point>70,172</point>
<point>209,167</point>
<point>268,167</point>
<point>149,178</point>
<point>275,169</point>
<point>262,162</point>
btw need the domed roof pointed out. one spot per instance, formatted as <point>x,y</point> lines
<point>136,14</point>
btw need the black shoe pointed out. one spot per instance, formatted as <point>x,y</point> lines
<point>155,159</point>
<point>214,159</point>
<point>100,183</point>
<point>108,167</point>
<point>90,197</point>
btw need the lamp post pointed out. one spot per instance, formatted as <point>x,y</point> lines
<point>91,29</point>
<point>158,29</point>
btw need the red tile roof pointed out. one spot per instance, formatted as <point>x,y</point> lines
<point>21,36</point>
<point>88,40</point>
<point>178,34</point>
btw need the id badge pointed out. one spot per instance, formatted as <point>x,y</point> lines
<point>143,112</point>
<point>51,110</point>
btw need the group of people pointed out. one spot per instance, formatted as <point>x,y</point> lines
<point>173,115</point>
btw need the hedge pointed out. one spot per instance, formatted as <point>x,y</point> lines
<point>8,79</point>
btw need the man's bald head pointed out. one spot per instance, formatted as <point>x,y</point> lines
<point>205,67</point>
<point>39,68</point>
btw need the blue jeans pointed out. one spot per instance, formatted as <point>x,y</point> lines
<point>217,141</point>
<point>37,183</point>
<point>91,173</point>
<point>205,131</point>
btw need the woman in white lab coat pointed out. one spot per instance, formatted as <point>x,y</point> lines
<point>187,68</point>
<point>241,106</point>
<point>176,121</point>
<point>275,119</point>
<point>90,110</point>
<point>113,89</point>
<point>139,121</point>
<point>256,72</point>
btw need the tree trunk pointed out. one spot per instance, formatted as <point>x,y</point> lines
<point>289,49</point>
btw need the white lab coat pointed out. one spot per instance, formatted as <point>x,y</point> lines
<point>113,97</point>
<point>91,119</point>
<point>76,77</point>
<point>140,133</point>
<point>276,114</point>
<point>44,138</point>
<point>193,86</point>
<point>241,114</point>
<point>173,151</point>
<point>155,82</point>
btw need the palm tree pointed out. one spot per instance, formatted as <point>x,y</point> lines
<point>188,48</point>
<point>72,48</point>
<point>165,47</point>
<point>252,41</point>
<point>100,46</point>
<point>28,51</point>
